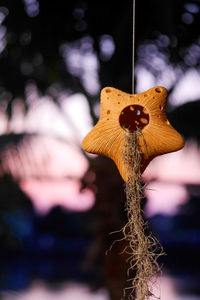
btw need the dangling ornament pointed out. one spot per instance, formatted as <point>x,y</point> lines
<point>132,130</point>
<point>123,113</point>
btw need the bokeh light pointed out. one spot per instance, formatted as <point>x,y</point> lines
<point>59,204</point>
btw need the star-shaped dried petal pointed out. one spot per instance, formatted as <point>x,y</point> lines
<point>122,113</point>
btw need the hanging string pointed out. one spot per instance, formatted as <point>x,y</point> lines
<point>133,51</point>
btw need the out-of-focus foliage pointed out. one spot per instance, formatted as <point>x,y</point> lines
<point>32,35</point>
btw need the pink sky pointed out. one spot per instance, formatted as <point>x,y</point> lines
<point>45,194</point>
<point>54,155</point>
<point>178,167</point>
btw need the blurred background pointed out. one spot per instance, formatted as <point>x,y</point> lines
<point>59,205</point>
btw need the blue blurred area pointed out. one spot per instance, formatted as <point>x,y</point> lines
<point>53,247</point>
<point>180,238</point>
<point>50,247</point>
<point>18,223</point>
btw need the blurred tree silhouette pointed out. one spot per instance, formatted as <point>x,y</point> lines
<point>16,215</point>
<point>32,33</point>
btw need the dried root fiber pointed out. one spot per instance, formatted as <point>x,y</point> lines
<point>143,248</point>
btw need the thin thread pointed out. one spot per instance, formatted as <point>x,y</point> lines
<point>133,51</point>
